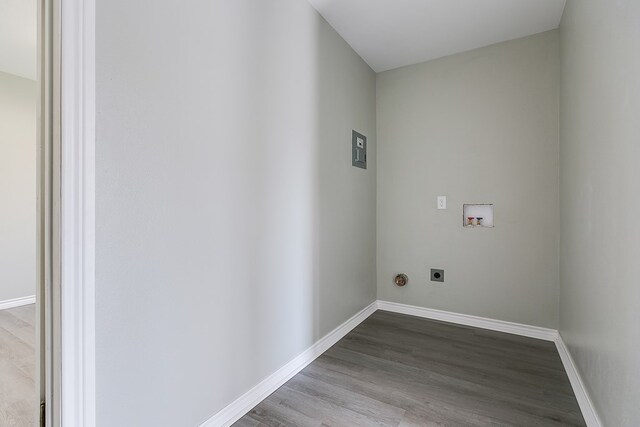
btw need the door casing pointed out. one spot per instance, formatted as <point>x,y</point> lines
<point>66,211</point>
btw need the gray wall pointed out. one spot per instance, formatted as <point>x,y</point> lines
<point>480,126</point>
<point>232,230</point>
<point>17,187</point>
<point>600,188</point>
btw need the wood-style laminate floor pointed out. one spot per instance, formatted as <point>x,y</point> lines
<point>398,370</point>
<point>18,402</point>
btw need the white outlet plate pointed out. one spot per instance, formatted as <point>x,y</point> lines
<point>442,202</point>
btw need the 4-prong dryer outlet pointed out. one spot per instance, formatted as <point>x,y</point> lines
<point>437,275</point>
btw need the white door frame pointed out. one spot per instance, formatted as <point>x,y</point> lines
<point>73,349</point>
<point>48,167</point>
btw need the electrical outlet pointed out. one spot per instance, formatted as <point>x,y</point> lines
<point>442,202</point>
<point>437,275</point>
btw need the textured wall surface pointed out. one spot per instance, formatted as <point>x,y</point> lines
<point>478,127</point>
<point>600,185</point>
<point>17,186</point>
<point>232,230</point>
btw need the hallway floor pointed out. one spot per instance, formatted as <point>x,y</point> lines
<point>398,370</point>
<point>18,403</point>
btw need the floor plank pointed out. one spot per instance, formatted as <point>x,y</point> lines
<point>398,370</point>
<point>18,401</point>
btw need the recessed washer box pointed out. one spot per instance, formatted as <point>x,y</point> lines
<point>477,215</point>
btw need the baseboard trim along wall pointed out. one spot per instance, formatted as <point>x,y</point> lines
<point>17,302</point>
<point>247,401</point>
<point>469,320</point>
<point>257,394</point>
<point>584,401</point>
<point>586,405</point>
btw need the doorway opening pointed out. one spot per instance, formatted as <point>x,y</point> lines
<point>19,216</point>
<point>31,314</point>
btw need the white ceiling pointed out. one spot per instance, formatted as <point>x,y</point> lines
<point>393,33</point>
<point>18,37</point>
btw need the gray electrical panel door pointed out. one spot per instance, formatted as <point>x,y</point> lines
<point>358,150</point>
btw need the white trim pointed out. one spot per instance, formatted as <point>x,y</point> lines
<point>77,212</point>
<point>17,302</point>
<point>233,412</point>
<point>584,401</point>
<point>247,401</point>
<point>468,320</point>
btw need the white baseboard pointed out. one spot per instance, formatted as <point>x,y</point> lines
<point>17,302</point>
<point>247,401</point>
<point>468,320</point>
<point>250,399</point>
<point>584,401</point>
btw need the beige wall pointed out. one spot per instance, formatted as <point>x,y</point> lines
<point>600,193</point>
<point>17,187</point>
<point>232,230</point>
<point>480,126</point>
